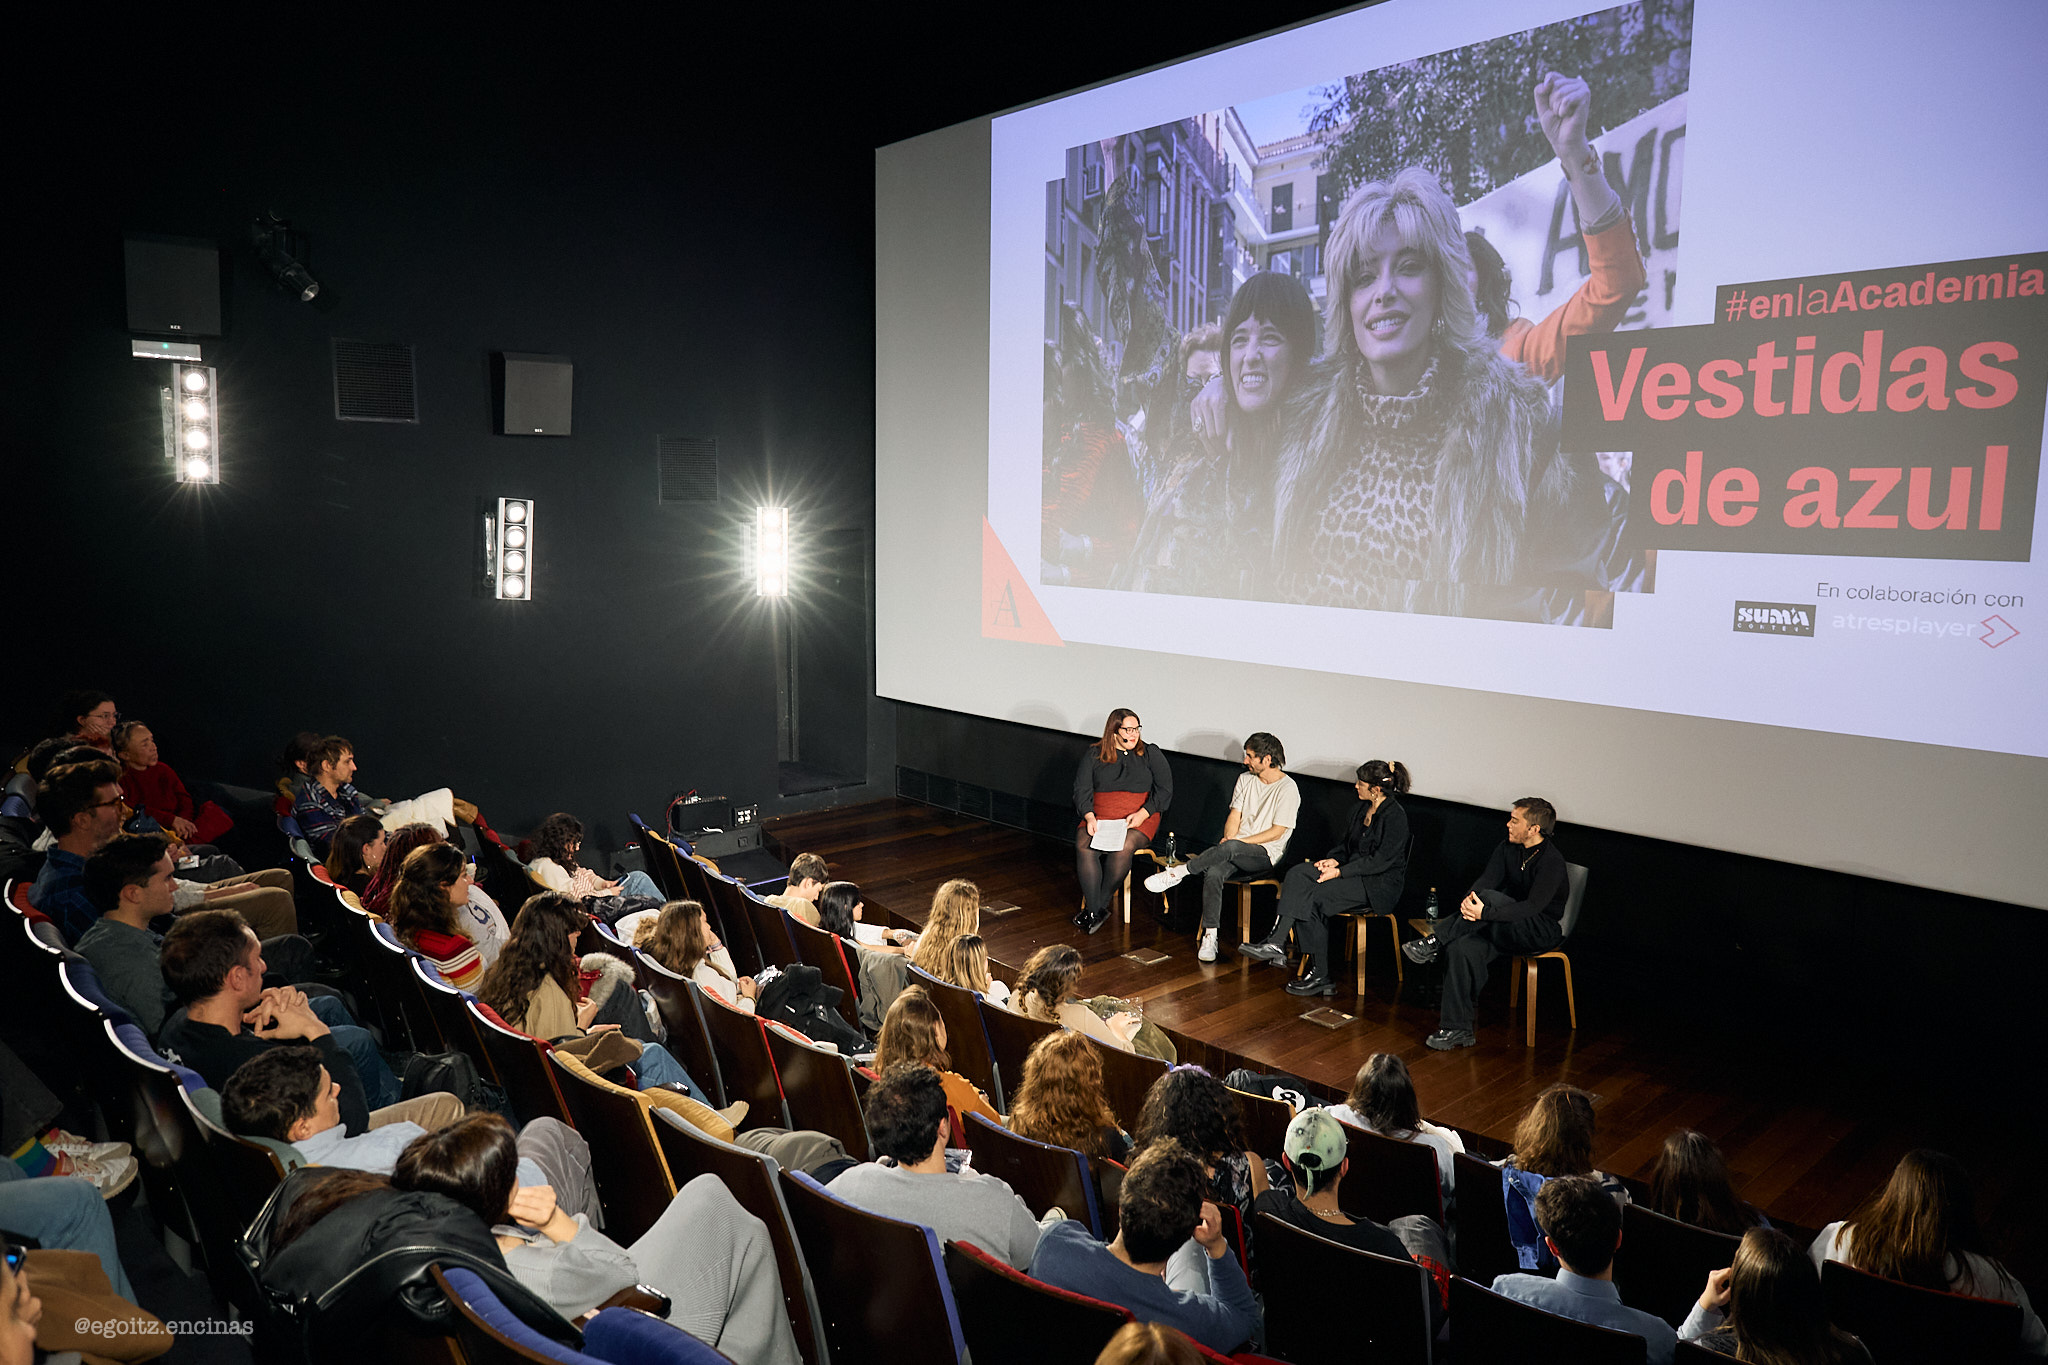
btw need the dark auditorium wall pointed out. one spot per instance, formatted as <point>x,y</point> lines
<point>1671,936</point>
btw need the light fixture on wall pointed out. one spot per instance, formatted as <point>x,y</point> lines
<point>771,552</point>
<point>508,550</point>
<point>191,422</point>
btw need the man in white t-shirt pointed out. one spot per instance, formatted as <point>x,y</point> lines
<point>1263,811</point>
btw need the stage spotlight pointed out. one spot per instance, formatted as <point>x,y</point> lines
<point>508,539</point>
<point>771,552</point>
<point>280,248</point>
<point>191,423</point>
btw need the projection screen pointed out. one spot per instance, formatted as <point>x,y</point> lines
<point>1714,521</point>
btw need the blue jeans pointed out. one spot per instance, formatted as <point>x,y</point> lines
<point>64,1215</point>
<point>657,1066</point>
<point>380,1087</point>
<point>637,883</point>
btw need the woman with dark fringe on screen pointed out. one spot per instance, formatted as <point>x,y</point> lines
<point>1419,468</point>
<point>1121,778</point>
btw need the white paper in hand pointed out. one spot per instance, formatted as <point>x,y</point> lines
<point>1109,835</point>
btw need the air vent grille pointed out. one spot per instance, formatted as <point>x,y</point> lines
<point>689,468</point>
<point>373,382</point>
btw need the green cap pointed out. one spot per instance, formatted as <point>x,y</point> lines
<point>1315,1141</point>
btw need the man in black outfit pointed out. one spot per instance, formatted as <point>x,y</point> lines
<point>1515,909</point>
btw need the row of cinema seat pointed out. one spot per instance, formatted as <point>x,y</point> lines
<point>860,1287</point>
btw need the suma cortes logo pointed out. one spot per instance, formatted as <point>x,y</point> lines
<point>1774,618</point>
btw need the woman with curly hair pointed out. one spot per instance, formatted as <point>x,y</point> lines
<point>1921,1228</point>
<point>913,1034</point>
<point>680,938</point>
<point>555,846</point>
<point>533,986</point>
<point>479,917</point>
<point>956,910</point>
<point>1766,1306</point>
<point>433,881</point>
<point>967,966</point>
<point>1691,1184</point>
<point>1047,991</point>
<point>1060,1099</point>
<point>1196,1110</point>
<point>1418,466</point>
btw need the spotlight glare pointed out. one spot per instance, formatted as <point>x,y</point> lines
<point>197,469</point>
<point>197,439</point>
<point>515,586</point>
<point>195,409</point>
<point>771,552</point>
<point>515,512</point>
<point>195,381</point>
<point>515,562</point>
<point>515,537</point>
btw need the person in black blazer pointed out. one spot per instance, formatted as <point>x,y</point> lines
<point>1363,874</point>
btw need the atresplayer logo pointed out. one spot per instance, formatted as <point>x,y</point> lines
<point>1775,618</point>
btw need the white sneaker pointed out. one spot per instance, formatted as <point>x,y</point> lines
<point>1206,950</point>
<point>109,1177</point>
<point>71,1144</point>
<point>1166,878</point>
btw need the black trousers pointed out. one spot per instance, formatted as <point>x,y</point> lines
<point>1308,905</point>
<point>1469,948</point>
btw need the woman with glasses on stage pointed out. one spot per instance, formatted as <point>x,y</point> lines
<point>1120,779</point>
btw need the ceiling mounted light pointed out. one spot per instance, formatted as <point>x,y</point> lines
<point>771,552</point>
<point>508,554</point>
<point>191,423</point>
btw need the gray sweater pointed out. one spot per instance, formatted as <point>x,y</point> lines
<point>969,1207</point>
<point>126,959</point>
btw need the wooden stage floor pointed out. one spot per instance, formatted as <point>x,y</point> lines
<point>1807,1133</point>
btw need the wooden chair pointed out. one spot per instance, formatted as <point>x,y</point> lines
<point>1390,1178</point>
<point>966,1039</point>
<point>1010,1037</point>
<point>828,953</point>
<point>770,926</point>
<point>678,1002</point>
<point>1109,1186</point>
<point>881,1282</point>
<point>523,1069</point>
<point>1265,1123</point>
<point>660,856</point>
<point>729,902</point>
<point>755,1180</point>
<point>632,1179</point>
<point>995,1301</point>
<point>1667,1261</point>
<point>444,1006</point>
<point>1384,1302</point>
<point>1903,1322</point>
<point>1481,1216</point>
<point>817,1088</point>
<point>1490,1326</point>
<point>744,1061</point>
<point>1244,882</point>
<point>1126,1077</point>
<point>1521,967</point>
<point>1043,1175</point>
<point>407,1025</point>
<point>1692,1353</point>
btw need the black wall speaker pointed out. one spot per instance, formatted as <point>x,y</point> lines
<point>173,285</point>
<point>531,393</point>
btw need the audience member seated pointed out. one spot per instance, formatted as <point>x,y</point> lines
<point>1556,1138</point>
<point>556,844</point>
<point>1383,1101</point>
<point>908,1125</point>
<point>1767,1306</point>
<point>91,717</point>
<point>1318,1156</point>
<point>354,856</point>
<point>1921,1229</point>
<point>292,764</point>
<point>80,804</point>
<point>679,937</point>
<point>1155,1268</point>
<point>1691,1184</point>
<point>1046,991</point>
<point>329,797</point>
<point>1149,1343</point>
<point>839,909</point>
<point>807,878</point>
<point>398,846</point>
<point>711,1258</point>
<point>1060,1099</point>
<point>129,884</point>
<point>967,966</point>
<point>286,1095</point>
<point>956,910</point>
<point>62,1213</point>
<point>424,911</point>
<point>213,964</point>
<point>913,1034</point>
<point>1582,1226</point>
<point>1196,1110</point>
<point>533,985</point>
<point>153,787</point>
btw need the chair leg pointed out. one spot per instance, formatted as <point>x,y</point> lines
<point>1394,932</point>
<point>1530,1041</point>
<point>1358,933</point>
<point>1127,894</point>
<point>1571,1001</point>
<point>1244,914</point>
<point>1515,981</point>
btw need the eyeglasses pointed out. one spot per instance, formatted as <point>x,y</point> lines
<point>1129,729</point>
<point>102,805</point>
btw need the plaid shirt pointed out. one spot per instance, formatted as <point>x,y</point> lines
<point>320,815</point>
